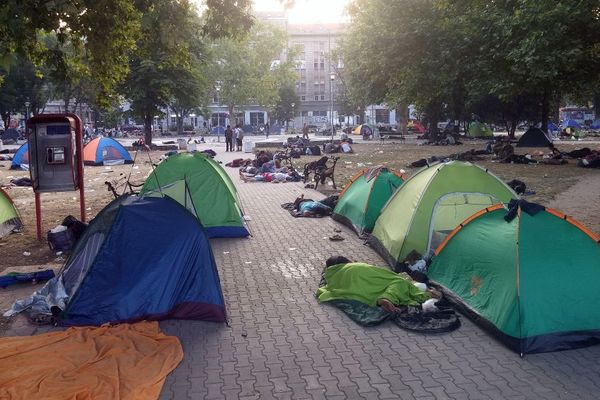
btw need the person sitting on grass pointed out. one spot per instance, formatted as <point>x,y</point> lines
<point>371,285</point>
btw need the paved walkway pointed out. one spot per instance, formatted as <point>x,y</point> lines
<point>282,344</point>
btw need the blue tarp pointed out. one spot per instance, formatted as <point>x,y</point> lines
<point>154,263</point>
<point>595,124</point>
<point>21,158</point>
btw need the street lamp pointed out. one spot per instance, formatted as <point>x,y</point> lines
<point>218,89</point>
<point>332,79</point>
<point>293,116</point>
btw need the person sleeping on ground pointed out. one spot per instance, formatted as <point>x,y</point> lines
<point>371,285</point>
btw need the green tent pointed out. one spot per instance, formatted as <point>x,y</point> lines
<point>362,198</point>
<point>9,217</point>
<point>430,204</point>
<point>533,281</point>
<point>479,130</point>
<point>211,190</point>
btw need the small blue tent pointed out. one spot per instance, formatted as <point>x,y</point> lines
<point>21,158</point>
<point>141,258</point>
<point>105,151</point>
<point>552,127</point>
<point>570,123</point>
<point>595,124</point>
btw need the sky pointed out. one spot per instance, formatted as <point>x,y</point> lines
<point>308,11</point>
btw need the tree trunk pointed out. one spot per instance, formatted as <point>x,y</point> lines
<point>402,112</point>
<point>433,116</point>
<point>67,100</point>
<point>148,128</point>
<point>458,105</point>
<point>513,127</point>
<point>545,110</point>
<point>597,106</point>
<point>232,118</point>
<point>179,123</point>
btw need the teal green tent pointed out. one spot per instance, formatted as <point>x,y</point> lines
<point>479,130</point>
<point>430,204</point>
<point>362,199</point>
<point>532,281</point>
<point>212,192</point>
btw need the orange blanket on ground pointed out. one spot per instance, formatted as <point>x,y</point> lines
<point>128,361</point>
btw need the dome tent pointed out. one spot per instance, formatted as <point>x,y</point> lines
<point>430,204</point>
<point>21,158</point>
<point>508,275</point>
<point>9,217</point>
<point>213,193</point>
<point>362,199</point>
<point>105,151</point>
<point>138,259</point>
<point>479,130</point>
<point>534,137</point>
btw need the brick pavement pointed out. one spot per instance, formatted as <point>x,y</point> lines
<point>282,344</point>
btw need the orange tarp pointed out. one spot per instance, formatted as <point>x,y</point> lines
<point>127,361</point>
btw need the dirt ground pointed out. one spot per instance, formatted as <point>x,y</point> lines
<point>573,190</point>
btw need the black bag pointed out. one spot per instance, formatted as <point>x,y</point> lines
<point>315,150</point>
<point>61,241</point>
<point>75,226</point>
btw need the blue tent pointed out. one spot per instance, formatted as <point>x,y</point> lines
<point>141,258</point>
<point>570,123</point>
<point>21,158</point>
<point>105,151</point>
<point>595,124</point>
<point>552,127</point>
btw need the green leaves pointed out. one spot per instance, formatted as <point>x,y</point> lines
<point>428,52</point>
<point>250,69</point>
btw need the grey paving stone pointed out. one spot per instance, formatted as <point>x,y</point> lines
<point>281,343</point>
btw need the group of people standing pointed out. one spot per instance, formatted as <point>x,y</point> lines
<point>235,135</point>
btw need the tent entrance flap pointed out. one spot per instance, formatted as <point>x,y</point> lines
<point>452,209</point>
<point>178,191</point>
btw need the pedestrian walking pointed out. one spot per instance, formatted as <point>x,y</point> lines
<point>267,129</point>
<point>305,131</point>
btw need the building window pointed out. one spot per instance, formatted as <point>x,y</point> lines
<point>382,116</point>
<point>240,118</point>
<point>322,97</point>
<point>303,98</point>
<point>316,98</point>
<point>218,119</point>
<point>173,120</point>
<point>257,118</point>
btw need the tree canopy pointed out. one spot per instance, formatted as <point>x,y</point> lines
<point>251,69</point>
<point>448,57</point>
